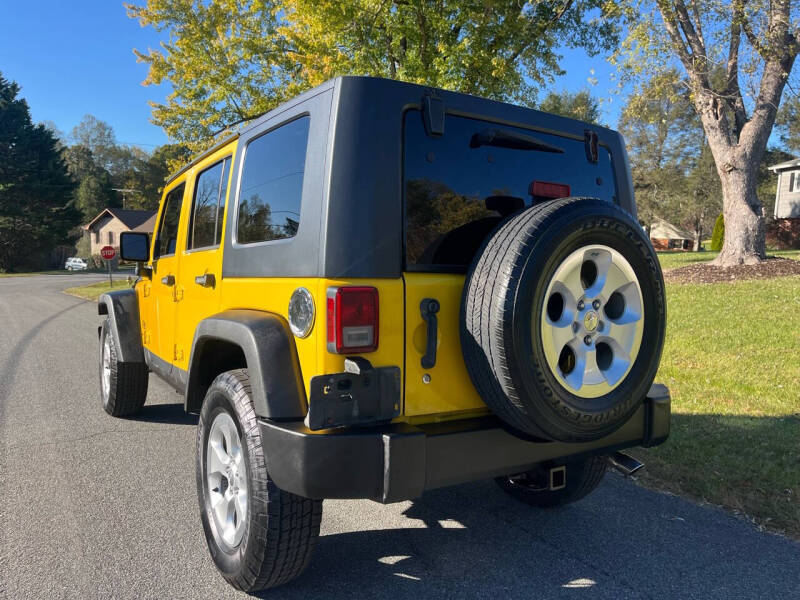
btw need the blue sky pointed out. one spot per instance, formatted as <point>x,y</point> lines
<point>74,58</point>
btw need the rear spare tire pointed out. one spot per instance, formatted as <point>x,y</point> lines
<point>562,320</point>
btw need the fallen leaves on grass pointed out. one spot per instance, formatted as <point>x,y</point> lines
<point>705,273</point>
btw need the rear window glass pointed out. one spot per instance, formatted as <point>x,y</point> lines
<point>272,184</point>
<point>459,186</point>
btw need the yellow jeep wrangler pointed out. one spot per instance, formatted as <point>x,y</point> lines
<point>378,289</point>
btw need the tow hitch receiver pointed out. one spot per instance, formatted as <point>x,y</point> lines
<point>627,465</point>
<point>558,478</point>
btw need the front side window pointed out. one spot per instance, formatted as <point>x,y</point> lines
<point>459,186</point>
<point>205,229</point>
<point>168,230</point>
<point>272,184</point>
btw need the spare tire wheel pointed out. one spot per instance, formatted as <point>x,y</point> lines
<point>562,319</point>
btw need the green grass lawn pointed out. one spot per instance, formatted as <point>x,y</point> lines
<point>93,291</point>
<point>732,363</point>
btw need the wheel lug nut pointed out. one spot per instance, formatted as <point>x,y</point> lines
<point>575,327</point>
<point>587,340</point>
<point>596,304</point>
<point>580,305</point>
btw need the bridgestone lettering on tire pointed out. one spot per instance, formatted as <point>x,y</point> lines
<point>274,543</point>
<point>511,320</point>
<point>123,386</point>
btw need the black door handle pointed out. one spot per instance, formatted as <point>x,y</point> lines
<point>169,280</point>
<point>206,280</point>
<point>429,307</point>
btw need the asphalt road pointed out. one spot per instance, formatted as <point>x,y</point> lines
<point>92,506</point>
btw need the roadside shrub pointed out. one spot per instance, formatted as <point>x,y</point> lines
<point>718,236</point>
<point>96,262</point>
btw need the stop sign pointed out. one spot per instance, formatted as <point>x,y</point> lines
<point>108,252</point>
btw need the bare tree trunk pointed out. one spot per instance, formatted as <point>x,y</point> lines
<point>744,224</point>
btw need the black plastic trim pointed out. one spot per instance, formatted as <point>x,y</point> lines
<point>271,359</point>
<point>122,306</point>
<point>174,376</point>
<point>398,462</point>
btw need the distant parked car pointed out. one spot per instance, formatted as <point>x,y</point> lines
<point>75,264</point>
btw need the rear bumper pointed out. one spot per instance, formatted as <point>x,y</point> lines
<point>397,462</point>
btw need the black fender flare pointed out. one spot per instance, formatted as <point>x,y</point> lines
<point>271,356</point>
<point>122,307</point>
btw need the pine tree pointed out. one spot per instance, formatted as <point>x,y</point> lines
<point>36,208</point>
<point>718,236</point>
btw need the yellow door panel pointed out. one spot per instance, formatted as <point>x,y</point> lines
<point>446,388</point>
<point>163,292</point>
<point>198,288</point>
<point>157,294</point>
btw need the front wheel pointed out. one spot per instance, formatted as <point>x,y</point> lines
<point>259,536</point>
<point>534,487</point>
<point>123,385</point>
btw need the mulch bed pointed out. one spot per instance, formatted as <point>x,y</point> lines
<point>706,273</point>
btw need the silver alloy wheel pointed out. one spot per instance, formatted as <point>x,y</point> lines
<point>105,379</point>
<point>226,481</point>
<point>592,321</point>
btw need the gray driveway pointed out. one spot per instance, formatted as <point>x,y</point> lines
<point>92,506</point>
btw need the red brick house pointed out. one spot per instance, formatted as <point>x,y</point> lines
<point>665,236</point>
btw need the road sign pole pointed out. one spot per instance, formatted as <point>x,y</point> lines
<point>108,253</point>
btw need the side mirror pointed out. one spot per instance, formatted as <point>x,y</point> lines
<point>134,246</point>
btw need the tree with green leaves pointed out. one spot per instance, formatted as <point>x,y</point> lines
<point>95,189</point>
<point>736,58</point>
<point>788,124</point>
<point>148,175</point>
<point>98,136</point>
<point>36,209</point>
<point>579,105</point>
<point>664,140</point>
<point>230,60</point>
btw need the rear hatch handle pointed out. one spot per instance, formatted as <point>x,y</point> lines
<point>429,307</point>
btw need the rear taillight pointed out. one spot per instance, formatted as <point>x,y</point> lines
<point>548,190</point>
<point>352,319</point>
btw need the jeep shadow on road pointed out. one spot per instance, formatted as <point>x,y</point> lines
<point>624,541</point>
<point>170,414</point>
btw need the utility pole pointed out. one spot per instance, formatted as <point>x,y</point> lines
<point>125,191</point>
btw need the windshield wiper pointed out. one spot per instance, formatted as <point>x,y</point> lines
<point>505,138</point>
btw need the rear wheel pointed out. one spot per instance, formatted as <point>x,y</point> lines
<point>123,385</point>
<point>534,487</point>
<point>259,536</point>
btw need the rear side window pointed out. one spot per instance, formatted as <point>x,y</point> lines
<point>459,186</point>
<point>168,229</point>
<point>272,184</point>
<point>205,229</point>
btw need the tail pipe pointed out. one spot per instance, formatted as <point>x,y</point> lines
<point>627,465</point>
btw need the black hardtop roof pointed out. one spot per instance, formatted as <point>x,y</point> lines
<point>495,105</point>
